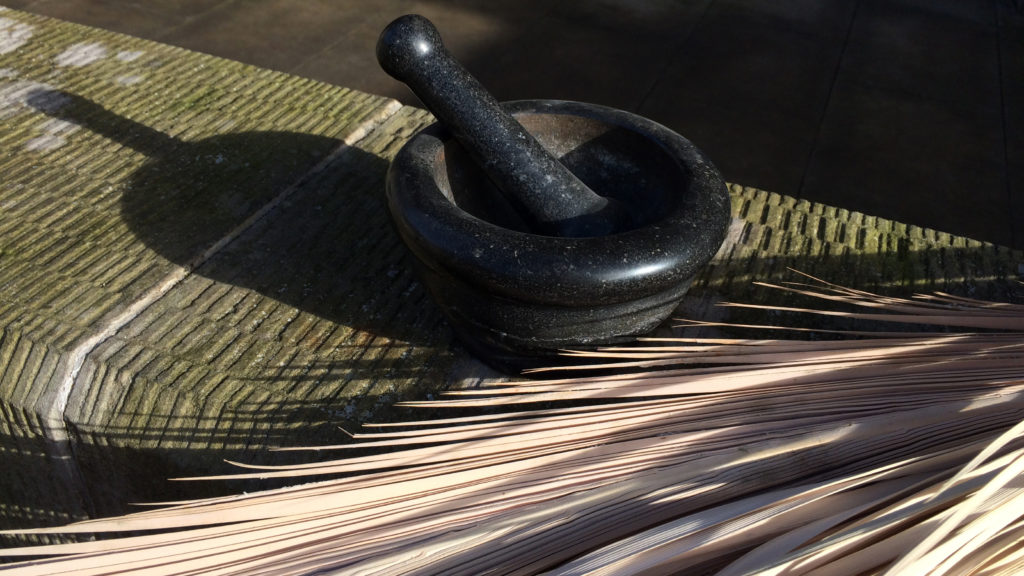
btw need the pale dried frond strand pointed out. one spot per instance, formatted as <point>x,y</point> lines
<point>896,453</point>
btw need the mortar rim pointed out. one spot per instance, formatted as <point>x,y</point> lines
<point>561,271</point>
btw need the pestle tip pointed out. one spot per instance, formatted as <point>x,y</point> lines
<point>406,42</point>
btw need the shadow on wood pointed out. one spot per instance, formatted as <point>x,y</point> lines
<point>328,249</point>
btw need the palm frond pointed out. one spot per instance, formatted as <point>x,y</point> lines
<point>898,453</point>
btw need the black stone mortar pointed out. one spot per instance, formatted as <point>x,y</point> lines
<point>542,225</point>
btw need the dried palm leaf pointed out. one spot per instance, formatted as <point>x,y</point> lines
<point>888,453</point>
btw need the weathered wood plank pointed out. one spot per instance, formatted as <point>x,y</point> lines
<point>310,319</point>
<point>107,138</point>
<point>107,141</point>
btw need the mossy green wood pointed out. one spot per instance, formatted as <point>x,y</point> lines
<point>189,248</point>
<point>196,264</point>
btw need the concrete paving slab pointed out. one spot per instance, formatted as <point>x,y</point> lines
<point>610,53</point>
<point>825,18</point>
<point>301,29</point>
<point>526,49</point>
<point>875,145</point>
<point>1011,59</point>
<point>937,49</point>
<point>146,19</point>
<point>471,31</point>
<point>757,96</point>
<point>740,64</point>
<point>982,13</point>
<point>916,50</point>
<point>548,61</point>
<point>917,106</point>
<point>759,146</point>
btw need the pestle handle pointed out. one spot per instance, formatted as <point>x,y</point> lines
<point>542,189</point>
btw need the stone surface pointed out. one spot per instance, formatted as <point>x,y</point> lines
<point>164,305</point>
<point>900,143</point>
<point>760,115</point>
<point>758,93</point>
<point>1011,51</point>
<point>609,53</point>
<point>301,29</point>
<point>926,125</point>
<point>828,19</point>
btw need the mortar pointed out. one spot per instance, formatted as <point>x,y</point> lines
<point>541,225</point>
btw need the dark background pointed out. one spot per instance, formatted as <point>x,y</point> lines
<point>907,109</point>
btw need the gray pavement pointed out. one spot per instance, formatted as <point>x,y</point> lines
<point>907,109</point>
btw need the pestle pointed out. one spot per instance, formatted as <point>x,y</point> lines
<point>546,195</point>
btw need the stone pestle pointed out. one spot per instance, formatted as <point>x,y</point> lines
<point>547,197</point>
